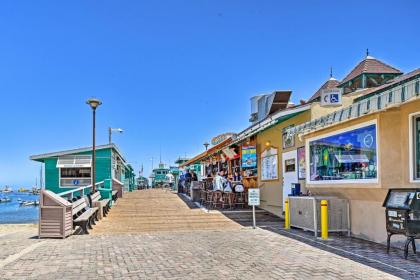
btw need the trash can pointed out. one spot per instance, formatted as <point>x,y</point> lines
<point>196,187</point>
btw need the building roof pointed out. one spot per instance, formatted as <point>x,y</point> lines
<point>370,65</point>
<point>194,159</point>
<point>331,83</point>
<point>391,83</point>
<point>280,100</point>
<point>269,121</point>
<point>40,157</point>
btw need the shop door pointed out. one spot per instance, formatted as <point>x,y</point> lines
<point>290,175</point>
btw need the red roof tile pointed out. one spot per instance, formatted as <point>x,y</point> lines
<point>331,83</point>
<point>370,65</point>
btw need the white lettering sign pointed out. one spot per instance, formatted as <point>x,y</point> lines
<point>254,197</point>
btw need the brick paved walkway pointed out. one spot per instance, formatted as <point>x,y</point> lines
<point>197,251</point>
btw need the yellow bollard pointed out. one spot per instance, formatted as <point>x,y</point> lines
<point>286,214</point>
<point>324,219</point>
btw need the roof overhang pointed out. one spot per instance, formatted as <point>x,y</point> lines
<point>41,157</point>
<point>269,121</point>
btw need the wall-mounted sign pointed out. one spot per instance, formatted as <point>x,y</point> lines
<point>301,163</point>
<point>249,157</point>
<point>220,138</point>
<point>269,164</point>
<point>331,97</point>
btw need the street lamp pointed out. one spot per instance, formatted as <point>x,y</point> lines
<point>93,103</point>
<point>206,145</point>
<point>110,130</point>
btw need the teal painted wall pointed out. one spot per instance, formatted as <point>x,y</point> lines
<point>52,176</point>
<point>103,170</point>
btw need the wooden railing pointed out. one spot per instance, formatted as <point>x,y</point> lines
<point>82,191</point>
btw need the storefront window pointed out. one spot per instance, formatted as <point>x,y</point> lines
<point>416,128</point>
<point>350,155</point>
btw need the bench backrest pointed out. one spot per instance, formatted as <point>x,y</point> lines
<point>95,197</point>
<point>79,205</point>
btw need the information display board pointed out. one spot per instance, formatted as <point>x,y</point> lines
<point>269,165</point>
<point>253,197</point>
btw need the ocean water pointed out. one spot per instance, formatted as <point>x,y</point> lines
<point>13,213</point>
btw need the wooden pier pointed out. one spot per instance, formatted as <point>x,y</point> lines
<point>155,210</point>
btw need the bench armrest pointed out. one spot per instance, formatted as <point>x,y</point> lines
<point>105,193</point>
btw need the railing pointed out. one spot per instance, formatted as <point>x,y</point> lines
<point>82,191</point>
<point>392,97</point>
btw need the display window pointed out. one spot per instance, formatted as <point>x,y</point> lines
<point>349,156</point>
<point>415,147</point>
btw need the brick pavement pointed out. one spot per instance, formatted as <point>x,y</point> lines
<point>197,251</point>
<point>232,254</point>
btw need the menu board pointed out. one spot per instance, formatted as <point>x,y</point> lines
<point>397,199</point>
<point>249,157</point>
<point>269,164</point>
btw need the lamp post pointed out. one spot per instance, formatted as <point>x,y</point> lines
<point>93,103</point>
<point>110,130</point>
<point>206,145</point>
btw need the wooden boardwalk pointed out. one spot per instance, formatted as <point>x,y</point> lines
<point>157,210</point>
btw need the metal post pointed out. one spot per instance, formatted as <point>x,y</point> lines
<point>109,135</point>
<point>254,223</point>
<point>94,151</point>
<point>324,219</point>
<point>286,214</point>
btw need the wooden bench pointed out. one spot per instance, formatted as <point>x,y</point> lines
<point>114,195</point>
<point>83,216</point>
<point>102,204</point>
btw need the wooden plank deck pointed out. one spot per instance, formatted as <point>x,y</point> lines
<point>157,210</point>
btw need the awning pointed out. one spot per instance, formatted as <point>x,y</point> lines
<point>73,161</point>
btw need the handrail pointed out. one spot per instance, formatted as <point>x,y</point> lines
<point>71,192</point>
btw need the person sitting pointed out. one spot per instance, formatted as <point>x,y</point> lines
<point>219,181</point>
<point>237,177</point>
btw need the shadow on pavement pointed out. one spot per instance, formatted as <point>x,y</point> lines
<point>365,252</point>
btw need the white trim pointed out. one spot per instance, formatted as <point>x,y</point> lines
<point>340,182</point>
<point>74,151</point>
<point>255,128</point>
<point>411,149</point>
<point>78,186</point>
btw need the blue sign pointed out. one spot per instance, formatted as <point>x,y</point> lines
<point>334,98</point>
<point>76,182</point>
<point>249,157</point>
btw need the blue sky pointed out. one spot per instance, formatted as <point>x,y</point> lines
<point>173,74</point>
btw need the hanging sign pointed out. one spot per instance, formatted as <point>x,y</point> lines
<point>331,97</point>
<point>249,157</point>
<point>269,165</point>
<point>220,138</point>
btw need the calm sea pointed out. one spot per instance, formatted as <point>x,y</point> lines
<point>13,213</point>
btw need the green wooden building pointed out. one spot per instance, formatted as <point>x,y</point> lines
<point>71,169</point>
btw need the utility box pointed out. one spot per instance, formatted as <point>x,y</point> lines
<point>55,217</point>
<point>305,213</point>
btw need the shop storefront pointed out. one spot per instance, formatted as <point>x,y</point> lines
<point>371,146</point>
